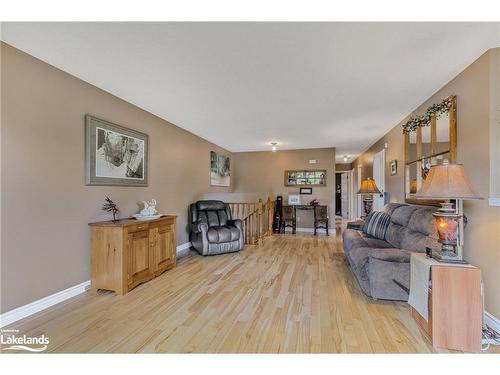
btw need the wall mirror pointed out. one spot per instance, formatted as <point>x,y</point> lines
<point>429,140</point>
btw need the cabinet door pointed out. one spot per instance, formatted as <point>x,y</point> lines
<point>164,247</point>
<point>456,308</point>
<point>138,257</point>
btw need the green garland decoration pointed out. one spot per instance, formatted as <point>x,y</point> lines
<point>434,110</point>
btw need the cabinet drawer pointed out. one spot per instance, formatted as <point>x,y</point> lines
<point>137,227</point>
<point>162,225</point>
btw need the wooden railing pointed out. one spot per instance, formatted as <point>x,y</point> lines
<point>258,219</point>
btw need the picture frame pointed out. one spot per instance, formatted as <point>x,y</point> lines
<point>305,177</point>
<point>306,190</point>
<point>115,155</point>
<point>393,167</point>
<point>293,199</point>
<point>220,169</point>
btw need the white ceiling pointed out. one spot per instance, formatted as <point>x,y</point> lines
<point>243,85</point>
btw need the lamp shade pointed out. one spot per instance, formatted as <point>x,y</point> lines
<point>368,186</point>
<point>447,181</point>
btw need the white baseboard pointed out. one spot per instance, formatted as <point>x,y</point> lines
<point>22,312</point>
<point>42,304</point>
<point>492,321</point>
<point>494,201</point>
<point>183,249</point>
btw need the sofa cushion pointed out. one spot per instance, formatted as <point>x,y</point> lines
<point>391,255</point>
<point>394,234</point>
<point>402,215</point>
<point>223,234</point>
<point>423,222</point>
<point>354,238</point>
<point>415,241</point>
<point>390,207</point>
<point>376,243</point>
<point>376,224</point>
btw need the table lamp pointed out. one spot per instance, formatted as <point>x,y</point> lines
<point>413,186</point>
<point>368,187</point>
<point>449,182</point>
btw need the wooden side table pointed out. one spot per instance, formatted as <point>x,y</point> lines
<point>454,308</point>
<point>128,252</point>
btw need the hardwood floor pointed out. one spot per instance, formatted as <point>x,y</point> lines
<point>293,294</point>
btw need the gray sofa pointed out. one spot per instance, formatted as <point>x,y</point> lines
<point>212,229</point>
<point>382,267</point>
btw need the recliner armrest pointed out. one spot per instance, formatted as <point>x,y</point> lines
<point>391,255</point>
<point>199,227</point>
<point>238,223</point>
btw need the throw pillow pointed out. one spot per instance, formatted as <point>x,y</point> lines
<point>376,224</point>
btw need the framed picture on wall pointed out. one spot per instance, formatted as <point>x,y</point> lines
<point>114,155</point>
<point>293,199</point>
<point>306,190</point>
<point>220,169</point>
<point>315,177</point>
<point>393,165</point>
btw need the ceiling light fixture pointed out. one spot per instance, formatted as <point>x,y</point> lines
<point>345,158</point>
<point>274,146</point>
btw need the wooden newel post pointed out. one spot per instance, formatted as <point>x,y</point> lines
<point>270,212</point>
<point>246,230</point>
<point>260,218</point>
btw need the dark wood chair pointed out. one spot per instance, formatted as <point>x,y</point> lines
<point>321,219</point>
<point>288,219</point>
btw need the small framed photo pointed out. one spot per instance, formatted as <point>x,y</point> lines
<point>293,199</point>
<point>306,190</point>
<point>220,169</point>
<point>393,167</point>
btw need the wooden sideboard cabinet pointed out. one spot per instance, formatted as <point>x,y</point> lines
<point>128,252</point>
<point>454,308</point>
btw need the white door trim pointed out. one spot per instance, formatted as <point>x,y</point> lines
<point>351,194</point>
<point>359,201</point>
<point>378,202</point>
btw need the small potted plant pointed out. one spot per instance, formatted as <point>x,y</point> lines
<point>110,206</point>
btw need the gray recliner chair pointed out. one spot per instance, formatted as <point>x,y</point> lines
<point>212,229</point>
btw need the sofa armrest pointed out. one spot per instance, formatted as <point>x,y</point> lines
<point>199,227</point>
<point>391,255</point>
<point>357,224</point>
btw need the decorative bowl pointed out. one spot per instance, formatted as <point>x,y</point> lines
<point>147,217</point>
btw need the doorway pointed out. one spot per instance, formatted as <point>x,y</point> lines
<point>343,194</point>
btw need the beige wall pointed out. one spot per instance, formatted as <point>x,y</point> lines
<point>495,123</point>
<point>45,203</point>
<point>394,151</point>
<point>262,174</point>
<point>343,167</point>
<point>482,236</point>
